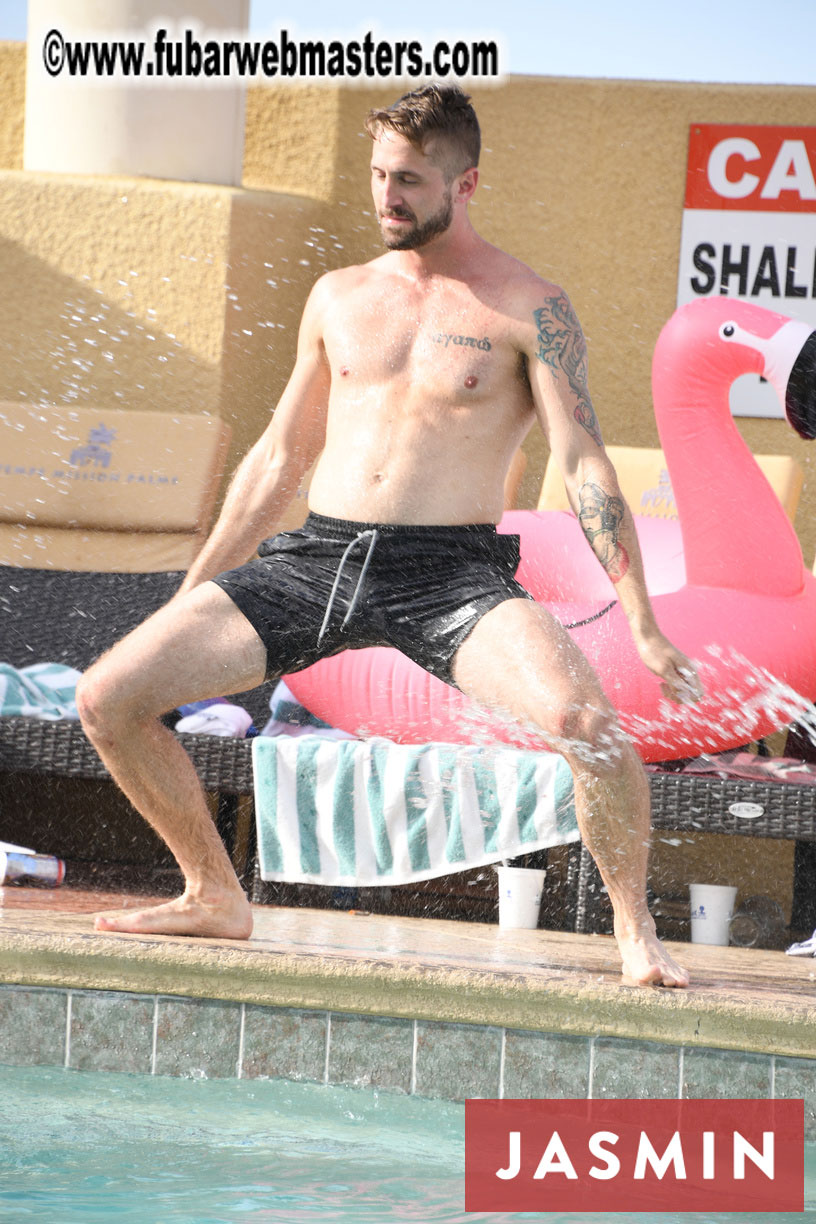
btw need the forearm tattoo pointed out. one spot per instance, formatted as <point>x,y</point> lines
<point>600,516</point>
<point>561,346</point>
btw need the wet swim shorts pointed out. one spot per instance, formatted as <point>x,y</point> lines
<point>336,585</point>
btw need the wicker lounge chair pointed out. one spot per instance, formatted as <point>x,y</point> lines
<point>71,617</point>
<point>701,804</point>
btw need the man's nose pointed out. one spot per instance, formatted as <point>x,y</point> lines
<point>392,194</point>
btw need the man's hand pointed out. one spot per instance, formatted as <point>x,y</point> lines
<point>680,682</point>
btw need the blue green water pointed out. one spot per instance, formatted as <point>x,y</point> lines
<point>84,1147</point>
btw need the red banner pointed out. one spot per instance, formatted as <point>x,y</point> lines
<point>753,167</point>
<point>632,1155</point>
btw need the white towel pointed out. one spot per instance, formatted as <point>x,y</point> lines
<point>368,812</point>
<point>218,718</point>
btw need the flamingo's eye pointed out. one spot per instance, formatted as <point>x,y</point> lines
<point>728,330</point>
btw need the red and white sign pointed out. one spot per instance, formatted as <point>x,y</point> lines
<point>632,1155</point>
<point>749,228</point>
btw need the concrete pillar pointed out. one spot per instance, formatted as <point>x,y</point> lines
<point>151,125</point>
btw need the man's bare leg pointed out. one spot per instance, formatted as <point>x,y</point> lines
<point>520,660</point>
<point>198,646</point>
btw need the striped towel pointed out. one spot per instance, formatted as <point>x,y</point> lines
<point>42,690</point>
<point>374,812</point>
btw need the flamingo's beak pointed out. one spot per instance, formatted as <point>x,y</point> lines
<point>800,393</point>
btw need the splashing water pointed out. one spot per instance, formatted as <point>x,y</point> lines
<point>746,703</point>
<point>742,701</point>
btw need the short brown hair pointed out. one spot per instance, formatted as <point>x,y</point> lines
<point>434,110</point>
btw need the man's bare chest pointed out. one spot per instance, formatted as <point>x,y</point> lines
<point>453,343</point>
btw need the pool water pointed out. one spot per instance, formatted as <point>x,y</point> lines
<point>81,1147</point>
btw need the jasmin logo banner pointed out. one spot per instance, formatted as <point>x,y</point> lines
<point>632,1155</point>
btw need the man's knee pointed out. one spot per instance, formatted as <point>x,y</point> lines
<point>588,728</point>
<point>91,699</point>
<point>102,700</point>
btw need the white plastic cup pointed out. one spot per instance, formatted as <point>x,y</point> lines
<point>520,890</point>
<point>712,908</point>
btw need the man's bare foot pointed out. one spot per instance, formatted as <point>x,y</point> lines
<point>229,917</point>
<point>647,962</point>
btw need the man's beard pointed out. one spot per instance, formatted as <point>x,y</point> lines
<point>419,235</point>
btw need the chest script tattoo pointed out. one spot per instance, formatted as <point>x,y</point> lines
<point>465,341</point>
<point>561,346</point>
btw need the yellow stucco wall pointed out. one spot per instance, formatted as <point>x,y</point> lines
<point>290,137</point>
<point>12,93</point>
<point>119,288</point>
<point>151,295</point>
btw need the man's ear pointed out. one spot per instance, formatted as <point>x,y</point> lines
<point>466,184</point>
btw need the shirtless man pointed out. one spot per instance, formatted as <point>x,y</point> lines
<point>417,376</point>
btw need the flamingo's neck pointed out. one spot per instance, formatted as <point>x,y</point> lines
<point>735,532</point>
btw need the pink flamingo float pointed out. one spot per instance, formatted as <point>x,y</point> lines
<point>729,586</point>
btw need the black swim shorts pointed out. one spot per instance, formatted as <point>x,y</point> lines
<point>337,585</point>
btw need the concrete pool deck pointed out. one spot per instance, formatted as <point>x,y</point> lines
<point>420,970</point>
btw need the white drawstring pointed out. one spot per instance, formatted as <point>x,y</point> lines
<point>372,534</point>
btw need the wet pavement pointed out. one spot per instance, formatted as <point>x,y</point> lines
<point>417,967</point>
